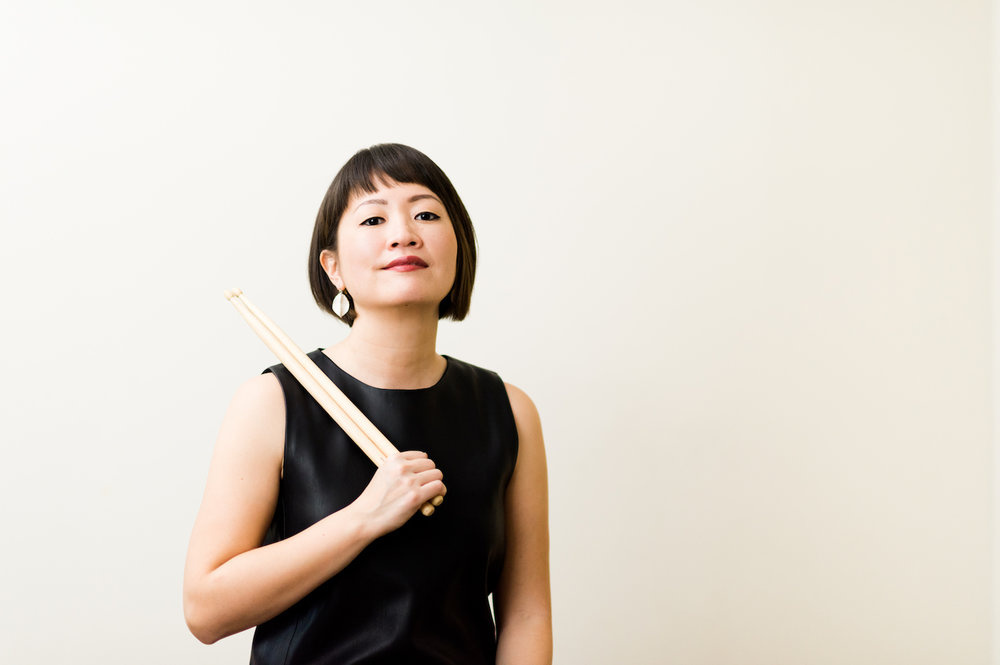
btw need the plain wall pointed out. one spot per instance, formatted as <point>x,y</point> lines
<point>738,253</point>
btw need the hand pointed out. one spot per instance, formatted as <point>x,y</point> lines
<point>403,483</point>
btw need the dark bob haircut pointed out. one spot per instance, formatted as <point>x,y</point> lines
<point>362,173</point>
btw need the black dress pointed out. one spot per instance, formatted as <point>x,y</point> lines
<point>418,594</point>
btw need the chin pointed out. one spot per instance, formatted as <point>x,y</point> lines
<point>415,303</point>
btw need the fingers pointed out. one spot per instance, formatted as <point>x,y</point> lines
<point>418,465</point>
<point>403,483</point>
<point>431,475</point>
<point>409,454</point>
<point>412,469</point>
<point>422,478</point>
<point>428,490</point>
<point>417,479</point>
<point>411,461</point>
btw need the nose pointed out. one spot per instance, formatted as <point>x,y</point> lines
<point>404,234</point>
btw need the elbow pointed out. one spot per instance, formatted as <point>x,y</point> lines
<point>199,627</point>
<point>200,622</point>
<point>203,635</point>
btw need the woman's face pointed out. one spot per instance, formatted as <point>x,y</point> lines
<point>395,247</point>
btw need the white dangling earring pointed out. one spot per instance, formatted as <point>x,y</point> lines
<point>340,304</point>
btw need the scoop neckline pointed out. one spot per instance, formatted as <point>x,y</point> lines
<point>447,369</point>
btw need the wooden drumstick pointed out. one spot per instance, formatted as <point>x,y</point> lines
<point>354,423</point>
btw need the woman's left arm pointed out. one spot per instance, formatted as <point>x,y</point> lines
<point>522,601</point>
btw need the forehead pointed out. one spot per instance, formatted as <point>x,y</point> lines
<point>387,189</point>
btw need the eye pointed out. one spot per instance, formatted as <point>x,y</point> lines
<point>372,221</point>
<point>427,217</point>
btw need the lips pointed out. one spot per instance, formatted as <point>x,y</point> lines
<point>412,261</point>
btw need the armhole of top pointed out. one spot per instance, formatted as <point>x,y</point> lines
<point>284,396</point>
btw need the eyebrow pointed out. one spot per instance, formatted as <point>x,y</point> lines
<point>413,198</point>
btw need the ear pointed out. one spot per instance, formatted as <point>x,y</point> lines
<point>328,259</point>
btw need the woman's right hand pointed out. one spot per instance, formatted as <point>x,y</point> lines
<point>403,483</point>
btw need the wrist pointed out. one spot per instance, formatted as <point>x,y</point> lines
<point>360,524</point>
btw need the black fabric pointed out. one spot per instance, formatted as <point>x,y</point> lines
<point>418,594</point>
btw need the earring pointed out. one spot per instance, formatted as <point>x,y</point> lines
<point>340,304</point>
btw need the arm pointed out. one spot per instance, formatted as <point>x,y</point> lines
<point>522,600</point>
<point>231,583</point>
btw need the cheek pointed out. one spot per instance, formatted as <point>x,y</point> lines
<point>450,256</point>
<point>355,252</point>
<point>450,244</point>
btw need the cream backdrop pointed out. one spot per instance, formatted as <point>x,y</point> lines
<point>738,253</point>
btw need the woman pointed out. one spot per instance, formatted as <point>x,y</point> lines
<point>298,533</point>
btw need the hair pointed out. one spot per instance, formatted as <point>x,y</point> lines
<point>362,173</point>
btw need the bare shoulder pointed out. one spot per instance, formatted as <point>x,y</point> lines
<point>259,398</point>
<point>255,419</point>
<point>528,424</point>
<point>262,390</point>
<point>522,406</point>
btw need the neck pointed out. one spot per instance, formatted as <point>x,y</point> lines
<point>392,348</point>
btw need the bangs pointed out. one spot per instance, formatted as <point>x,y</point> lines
<point>384,163</point>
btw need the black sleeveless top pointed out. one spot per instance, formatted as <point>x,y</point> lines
<point>418,594</point>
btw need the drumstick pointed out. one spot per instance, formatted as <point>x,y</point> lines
<point>354,423</point>
<point>309,382</point>
<point>342,401</point>
<point>333,401</point>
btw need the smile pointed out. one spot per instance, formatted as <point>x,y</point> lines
<point>406,264</point>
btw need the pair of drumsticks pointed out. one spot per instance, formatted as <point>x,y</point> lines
<point>354,423</point>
